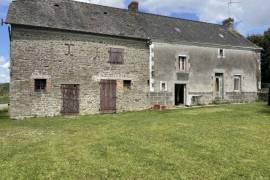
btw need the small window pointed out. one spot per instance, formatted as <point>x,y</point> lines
<point>40,85</point>
<point>163,86</point>
<point>116,56</point>
<point>152,85</point>
<point>127,84</point>
<point>221,53</point>
<point>237,83</point>
<point>153,74</point>
<point>181,64</point>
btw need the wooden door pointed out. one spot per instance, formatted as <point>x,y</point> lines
<point>70,98</point>
<point>108,96</point>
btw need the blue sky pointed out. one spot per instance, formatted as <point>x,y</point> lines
<point>251,17</point>
<point>4,46</point>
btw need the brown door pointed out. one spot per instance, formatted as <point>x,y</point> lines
<point>108,96</point>
<point>70,98</point>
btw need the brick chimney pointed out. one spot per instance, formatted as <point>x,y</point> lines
<point>134,6</point>
<point>229,23</point>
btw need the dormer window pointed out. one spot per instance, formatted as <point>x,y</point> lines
<point>221,53</point>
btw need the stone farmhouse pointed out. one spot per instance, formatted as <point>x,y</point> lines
<point>70,57</point>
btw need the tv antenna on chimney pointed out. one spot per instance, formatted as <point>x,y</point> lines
<point>230,3</point>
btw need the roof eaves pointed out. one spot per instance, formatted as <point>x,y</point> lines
<point>211,45</point>
<point>80,31</point>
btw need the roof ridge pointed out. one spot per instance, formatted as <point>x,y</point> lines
<point>147,13</point>
<point>119,22</point>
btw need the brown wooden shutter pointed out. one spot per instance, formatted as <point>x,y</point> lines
<point>116,56</point>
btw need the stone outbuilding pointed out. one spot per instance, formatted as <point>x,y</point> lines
<point>70,57</point>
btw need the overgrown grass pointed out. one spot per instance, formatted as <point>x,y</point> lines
<point>225,142</point>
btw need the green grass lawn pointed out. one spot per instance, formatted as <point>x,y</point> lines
<point>225,142</point>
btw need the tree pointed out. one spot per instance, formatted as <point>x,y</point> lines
<point>264,42</point>
<point>269,97</point>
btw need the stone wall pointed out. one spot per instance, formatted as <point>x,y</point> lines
<point>161,98</point>
<point>240,97</point>
<point>202,64</point>
<point>41,53</point>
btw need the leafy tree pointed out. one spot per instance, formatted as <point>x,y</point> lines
<point>264,42</point>
<point>4,89</point>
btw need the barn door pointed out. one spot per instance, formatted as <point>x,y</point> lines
<point>108,96</point>
<point>70,98</point>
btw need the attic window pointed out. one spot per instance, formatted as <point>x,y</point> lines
<point>56,5</point>
<point>105,13</point>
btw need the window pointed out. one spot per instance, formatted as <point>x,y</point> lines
<point>153,74</point>
<point>181,64</point>
<point>127,84</point>
<point>40,85</point>
<point>221,53</point>
<point>163,86</point>
<point>116,56</point>
<point>237,83</point>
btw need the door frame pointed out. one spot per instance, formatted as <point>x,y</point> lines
<point>184,94</point>
<point>76,98</point>
<point>220,93</point>
<point>108,105</point>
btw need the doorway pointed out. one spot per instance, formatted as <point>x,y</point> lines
<point>70,98</point>
<point>108,96</point>
<point>179,93</point>
<point>219,85</point>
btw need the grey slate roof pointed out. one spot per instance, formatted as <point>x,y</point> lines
<point>91,18</point>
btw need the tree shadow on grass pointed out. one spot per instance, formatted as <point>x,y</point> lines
<point>4,115</point>
<point>265,110</point>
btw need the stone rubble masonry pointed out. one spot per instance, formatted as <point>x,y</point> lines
<point>203,63</point>
<point>42,54</point>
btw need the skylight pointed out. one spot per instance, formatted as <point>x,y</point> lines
<point>221,35</point>
<point>177,29</point>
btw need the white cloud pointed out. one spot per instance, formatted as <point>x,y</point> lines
<point>249,14</point>
<point>113,3</point>
<point>4,70</point>
<point>4,2</point>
